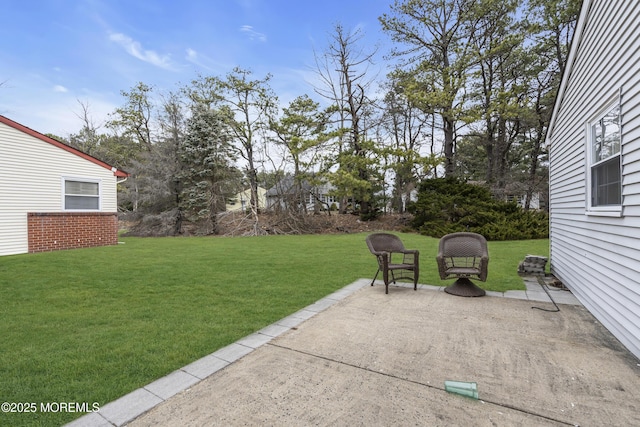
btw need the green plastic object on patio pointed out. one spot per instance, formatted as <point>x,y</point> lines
<point>463,388</point>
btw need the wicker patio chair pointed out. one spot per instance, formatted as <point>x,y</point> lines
<point>394,260</point>
<point>463,256</point>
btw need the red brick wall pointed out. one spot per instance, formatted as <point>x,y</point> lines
<point>71,230</point>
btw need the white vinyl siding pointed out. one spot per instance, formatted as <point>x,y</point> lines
<point>31,182</point>
<point>595,250</point>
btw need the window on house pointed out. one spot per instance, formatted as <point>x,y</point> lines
<point>328,199</point>
<point>81,195</point>
<point>605,160</point>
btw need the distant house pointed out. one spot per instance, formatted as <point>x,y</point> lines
<point>53,196</point>
<point>242,200</point>
<point>314,197</point>
<point>536,202</point>
<point>594,139</point>
<point>516,194</point>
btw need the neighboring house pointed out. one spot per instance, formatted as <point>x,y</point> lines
<point>242,200</point>
<point>53,196</point>
<point>283,194</point>
<point>537,202</point>
<point>404,199</point>
<point>516,194</point>
<point>594,139</point>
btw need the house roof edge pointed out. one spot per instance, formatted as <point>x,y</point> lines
<point>22,128</point>
<point>575,44</point>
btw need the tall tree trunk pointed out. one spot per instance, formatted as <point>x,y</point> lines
<point>449,141</point>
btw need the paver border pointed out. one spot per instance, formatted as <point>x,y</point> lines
<point>132,405</point>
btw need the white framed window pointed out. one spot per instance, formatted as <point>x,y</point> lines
<point>81,194</point>
<point>604,161</point>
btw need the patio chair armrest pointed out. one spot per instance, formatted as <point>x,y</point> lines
<point>380,253</point>
<point>410,256</point>
<point>484,268</point>
<point>442,266</point>
<point>383,258</point>
<point>410,251</point>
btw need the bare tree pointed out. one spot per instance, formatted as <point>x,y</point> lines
<point>87,140</point>
<point>345,81</point>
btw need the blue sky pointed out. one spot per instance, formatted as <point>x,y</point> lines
<point>54,53</point>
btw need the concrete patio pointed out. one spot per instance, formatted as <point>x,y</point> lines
<point>360,357</point>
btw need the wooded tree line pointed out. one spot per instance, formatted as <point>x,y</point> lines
<point>470,96</point>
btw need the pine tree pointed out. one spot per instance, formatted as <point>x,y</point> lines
<point>207,156</point>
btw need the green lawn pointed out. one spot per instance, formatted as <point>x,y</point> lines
<point>91,325</point>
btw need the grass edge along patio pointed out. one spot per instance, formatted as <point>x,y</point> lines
<point>90,325</point>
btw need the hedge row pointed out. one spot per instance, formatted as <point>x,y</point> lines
<point>448,205</point>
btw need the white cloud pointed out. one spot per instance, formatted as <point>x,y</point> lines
<point>192,55</point>
<point>59,88</point>
<point>135,49</point>
<point>195,58</point>
<point>203,61</point>
<point>253,34</point>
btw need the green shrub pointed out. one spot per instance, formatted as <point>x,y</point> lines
<point>449,205</point>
